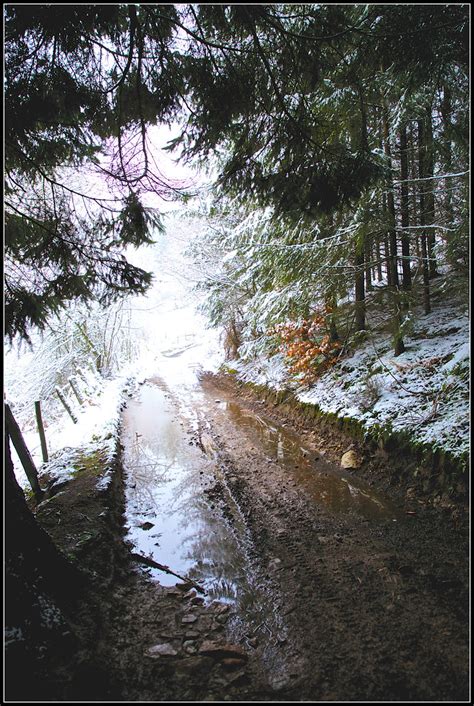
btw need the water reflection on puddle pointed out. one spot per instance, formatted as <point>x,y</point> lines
<point>321,480</point>
<point>171,519</point>
<point>168,514</point>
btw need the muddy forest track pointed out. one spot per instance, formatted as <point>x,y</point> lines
<point>345,596</point>
<point>370,610</point>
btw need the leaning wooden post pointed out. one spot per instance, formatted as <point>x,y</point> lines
<point>83,377</point>
<point>65,405</point>
<point>76,391</point>
<point>39,422</point>
<point>23,454</point>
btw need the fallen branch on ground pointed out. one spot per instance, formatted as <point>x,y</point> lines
<point>154,565</point>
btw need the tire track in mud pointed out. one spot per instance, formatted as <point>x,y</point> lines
<point>359,616</point>
<point>338,606</point>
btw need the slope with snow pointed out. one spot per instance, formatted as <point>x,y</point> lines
<point>423,392</point>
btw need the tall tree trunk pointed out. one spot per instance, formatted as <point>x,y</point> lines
<point>331,307</point>
<point>330,299</point>
<point>379,260</point>
<point>368,266</point>
<point>423,216</point>
<point>398,344</point>
<point>446,110</point>
<point>392,233</point>
<point>413,193</point>
<point>14,433</point>
<point>429,193</point>
<point>359,287</point>
<point>386,251</point>
<point>384,205</point>
<point>404,210</point>
<point>388,269</point>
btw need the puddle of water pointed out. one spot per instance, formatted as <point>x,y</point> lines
<point>166,479</point>
<point>338,491</point>
<point>165,482</point>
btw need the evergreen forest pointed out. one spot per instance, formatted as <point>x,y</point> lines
<point>312,196</point>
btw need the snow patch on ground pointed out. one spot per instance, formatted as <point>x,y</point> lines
<point>424,391</point>
<point>96,429</point>
<point>263,371</point>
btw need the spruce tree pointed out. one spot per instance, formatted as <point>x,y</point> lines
<point>76,98</point>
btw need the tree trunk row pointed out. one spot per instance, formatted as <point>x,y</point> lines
<point>409,238</point>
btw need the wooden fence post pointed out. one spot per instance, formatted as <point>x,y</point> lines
<point>39,422</point>
<point>76,391</point>
<point>81,374</point>
<point>65,405</point>
<point>23,454</point>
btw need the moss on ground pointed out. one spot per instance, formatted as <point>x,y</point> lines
<point>443,470</point>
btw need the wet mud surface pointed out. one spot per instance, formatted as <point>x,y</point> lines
<point>318,583</point>
<point>374,595</point>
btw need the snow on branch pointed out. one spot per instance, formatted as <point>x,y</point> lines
<point>431,178</point>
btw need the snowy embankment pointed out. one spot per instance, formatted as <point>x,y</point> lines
<point>423,392</point>
<point>96,431</point>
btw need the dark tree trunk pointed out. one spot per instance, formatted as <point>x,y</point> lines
<point>446,110</point>
<point>392,233</point>
<point>426,275</point>
<point>429,191</point>
<point>359,288</point>
<point>386,250</point>
<point>379,260</point>
<point>14,433</point>
<point>404,210</point>
<point>331,307</point>
<point>413,193</point>
<point>333,332</point>
<point>398,344</point>
<point>423,218</point>
<point>368,265</point>
<point>388,269</point>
